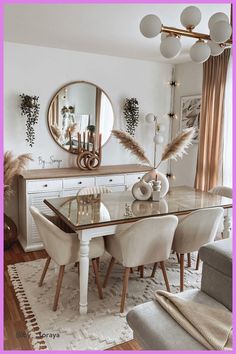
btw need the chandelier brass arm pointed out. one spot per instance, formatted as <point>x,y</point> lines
<point>186,33</point>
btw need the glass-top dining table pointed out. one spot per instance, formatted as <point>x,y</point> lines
<point>98,215</point>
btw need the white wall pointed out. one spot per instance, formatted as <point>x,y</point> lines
<point>42,71</point>
<point>189,75</point>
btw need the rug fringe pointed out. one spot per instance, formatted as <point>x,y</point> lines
<point>32,326</point>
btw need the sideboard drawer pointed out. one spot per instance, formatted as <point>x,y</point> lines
<point>44,185</point>
<point>70,183</point>
<point>133,178</point>
<point>110,180</point>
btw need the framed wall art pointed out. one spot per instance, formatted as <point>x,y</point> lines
<point>190,108</point>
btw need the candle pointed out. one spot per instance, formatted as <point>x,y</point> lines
<point>69,133</point>
<point>93,142</point>
<point>79,141</point>
<point>100,141</point>
<point>84,139</point>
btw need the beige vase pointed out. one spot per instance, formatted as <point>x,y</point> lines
<point>154,175</point>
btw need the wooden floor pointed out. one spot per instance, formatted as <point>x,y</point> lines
<point>14,323</point>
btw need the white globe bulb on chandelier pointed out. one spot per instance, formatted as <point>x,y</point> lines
<point>213,43</point>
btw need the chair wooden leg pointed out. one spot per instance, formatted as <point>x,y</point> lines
<point>44,271</point>
<point>141,271</point>
<point>198,261</point>
<point>165,276</point>
<point>181,272</point>
<point>58,289</point>
<point>131,270</point>
<point>98,263</point>
<point>154,270</point>
<point>95,269</point>
<point>178,259</point>
<point>189,260</point>
<point>112,262</point>
<point>124,290</point>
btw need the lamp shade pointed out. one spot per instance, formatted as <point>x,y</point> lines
<point>219,16</point>
<point>215,48</point>
<point>190,17</point>
<point>200,52</point>
<point>150,26</point>
<point>158,139</point>
<point>220,32</point>
<point>170,47</point>
<point>150,118</point>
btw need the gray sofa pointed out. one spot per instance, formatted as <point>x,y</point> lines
<point>155,329</point>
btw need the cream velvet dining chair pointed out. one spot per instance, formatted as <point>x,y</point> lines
<point>222,190</point>
<point>143,242</point>
<point>194,231</point>
<point>94,190</point>
<point>64,248</point>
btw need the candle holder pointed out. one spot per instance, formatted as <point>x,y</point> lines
<point>89,157</point>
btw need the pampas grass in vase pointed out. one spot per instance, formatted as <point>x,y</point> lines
<point>12,167</point>
<point>177,148</point>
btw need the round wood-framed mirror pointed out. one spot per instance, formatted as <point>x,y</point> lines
<point>79,107</point>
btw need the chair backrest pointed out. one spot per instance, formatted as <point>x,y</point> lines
<point>222,190</point>
<point>62,247</point>
<point>94,190</point>
<point>147,241</point>
<point>197,229</point>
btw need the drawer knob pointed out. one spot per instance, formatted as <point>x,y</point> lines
<point>110,180</point>
<point>79,182</point>
<point>45,185</point>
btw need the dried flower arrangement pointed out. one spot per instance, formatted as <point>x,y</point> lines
<point>173,150</point>
<point>12,167</point>
<point>70,130</point>
<point>56,131</point>
<point>30,107</point>
<point>131,113</point>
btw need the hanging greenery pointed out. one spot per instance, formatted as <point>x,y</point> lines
<point>131,113</point>
<point>30,108</point>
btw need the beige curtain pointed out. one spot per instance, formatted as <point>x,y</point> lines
<point>209,164</point>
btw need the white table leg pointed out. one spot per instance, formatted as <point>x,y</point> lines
<point>227,225</point>
<point>84,273</point>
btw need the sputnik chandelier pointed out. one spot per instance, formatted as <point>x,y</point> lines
<point>206,44</point>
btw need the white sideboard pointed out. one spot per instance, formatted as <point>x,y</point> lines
<point>37,185</point>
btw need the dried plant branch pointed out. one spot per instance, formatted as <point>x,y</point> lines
<point>71,128</point>
<point>132,145</point>
<point>56,131</point>
<point>178,146</point>
<point>13,167</point>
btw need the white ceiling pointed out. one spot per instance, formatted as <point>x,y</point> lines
<point>111,29</point>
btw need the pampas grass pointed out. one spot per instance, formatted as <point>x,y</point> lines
<point>56,131</point>
<point>70,129</point>
<point>12,167</point>
<point>178,146</point>
<point>132,145</point>
<point>173,150</point>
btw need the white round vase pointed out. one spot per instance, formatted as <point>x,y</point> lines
<point>154,175</point>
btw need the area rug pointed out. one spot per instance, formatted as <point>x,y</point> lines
<point>103,327</point>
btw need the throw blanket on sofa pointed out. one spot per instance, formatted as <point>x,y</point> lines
<point>212,327</point>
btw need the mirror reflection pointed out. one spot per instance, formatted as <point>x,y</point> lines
<point>76,112</point>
